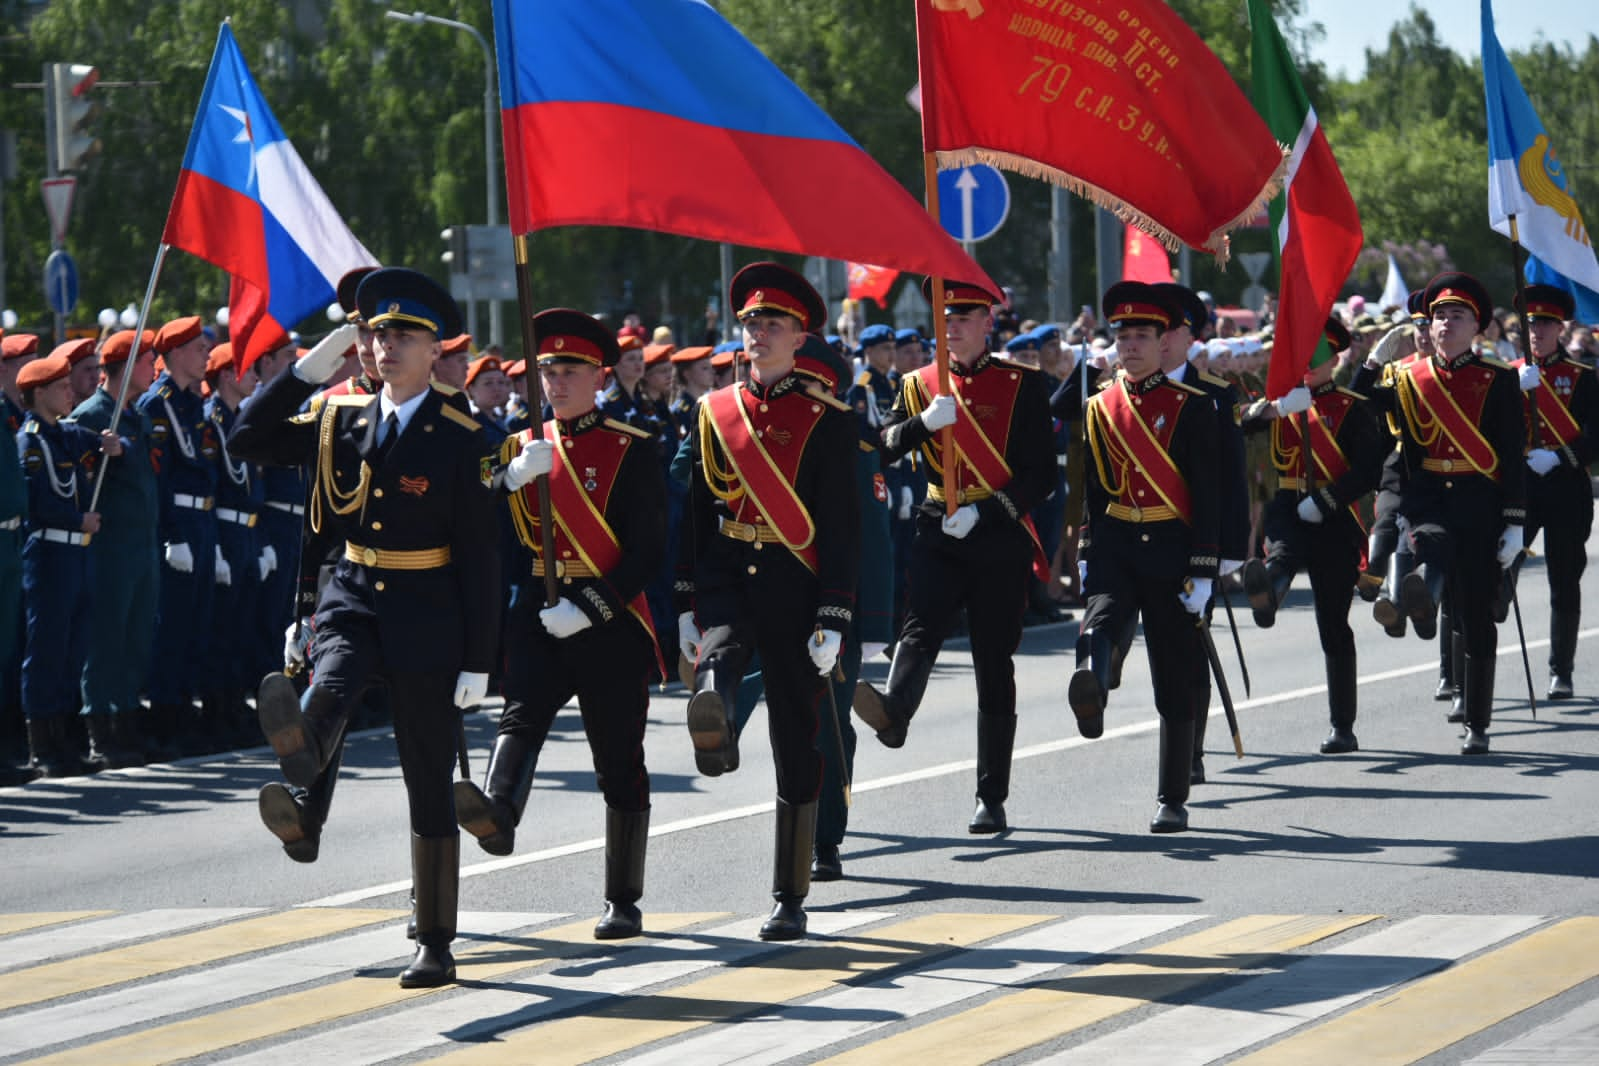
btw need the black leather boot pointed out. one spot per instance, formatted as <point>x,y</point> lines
<point>1342,684</point>
<point>1089,687</point>
<point>1176,760</point>
<point>302,730</point>
<point>791,873</point>
<point>1120,647</point>
<point>710,720</point>
<point>105,749</point>
<point>126,736</point>
<point>627,835</point>
<point>283,812</point>
<point>889,713</point>
<point>1267,587</point>
<point>1196,773</point>
<point>1420,595</point>
<point>1388,608</point>
<point>827,864</point>
<point>1562,652</point>
<point>1457,657</point>
<point>492,813</point>
<point>1505,591</point>
<point>435,873</point>
<point>160,731</point>
<point>1446,665</point>
<point>996,738</point>
<point>48,754</point>
<point>1479,703</point>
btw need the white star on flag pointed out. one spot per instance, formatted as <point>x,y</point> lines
<point>245,136</point>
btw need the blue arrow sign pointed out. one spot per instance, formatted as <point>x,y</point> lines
<point>972,202</point>
<point>61,282</point>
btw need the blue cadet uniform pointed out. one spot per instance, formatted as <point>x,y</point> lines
<point>183,451</point>
<point>13,512</point>
<point>126,557</point>
<point>58,460</point>
<point>414,603</point>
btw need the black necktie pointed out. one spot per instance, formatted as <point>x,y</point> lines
<point>387,434</point>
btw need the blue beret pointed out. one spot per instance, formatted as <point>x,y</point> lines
<point>726,346</point>
<point>1024,342</point>
<point>907,336</point>
<point>1046,333</point>
<point>877,334</point>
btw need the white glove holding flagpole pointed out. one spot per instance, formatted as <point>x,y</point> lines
<point>1293,402</point>
<point>470,689</point>
<point>1528,377</point>
<point>535,460</point>
<point>323,361</point>
<point>940,413</point>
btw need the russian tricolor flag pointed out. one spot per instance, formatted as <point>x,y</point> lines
<point>245,202</point>
<point>658,114</point>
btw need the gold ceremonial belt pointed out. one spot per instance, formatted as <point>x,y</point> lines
<point>747,533</point>
<point>1449,466</point>
<point>421,559</point>
<point>1158,513</point>
<point>971,495</point>
<point>565,568</point>
<point>1293,484</point>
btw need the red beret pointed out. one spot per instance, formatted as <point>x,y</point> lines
<point>220,358</point>
<point>480,366</point>
<point>75,351</point>
<point>52,367</point>
<point>516,369</point>
<point>626,342</point>
<point>655,354</point>
<point>117,347</point>
<point>691,355</point>
<point>461,342</point>
<point>722,360</point>
<point>178,332</point>
<point>17,345</point>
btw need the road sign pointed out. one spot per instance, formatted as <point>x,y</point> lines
<point>58,204</point>
<point>61,282</point>
<point>972,202</point>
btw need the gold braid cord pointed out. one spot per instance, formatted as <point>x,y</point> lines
<point>915,403</point>
<point>721,478</point>
<point>326,483</point>
<point>1100,447</point>
<point>521,514</point>
<point>1426,429</point>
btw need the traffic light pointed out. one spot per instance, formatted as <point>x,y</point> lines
<point>459,253</point>
<point>72,109</point>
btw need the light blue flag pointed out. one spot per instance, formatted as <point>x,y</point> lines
<point>1527,187</point>
<point>1541,273</point>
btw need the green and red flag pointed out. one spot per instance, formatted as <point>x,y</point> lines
<point>1316,226</point>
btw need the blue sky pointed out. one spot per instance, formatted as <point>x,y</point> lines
<point>1352,26</point>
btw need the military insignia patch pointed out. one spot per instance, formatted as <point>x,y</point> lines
<point>418,486</point>
<point>781,437</point>
<point>880,488</point>
<point>485,471</point>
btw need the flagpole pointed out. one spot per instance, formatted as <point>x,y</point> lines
<point>535,392</point>
<point>946,436</point>
<point>127,368</point>
<point>1516,268</point>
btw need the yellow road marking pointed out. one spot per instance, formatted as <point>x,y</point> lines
<point>633,1021</point>
<point>1441,1010</point>
<point>314,1006</point>
<point>1023,1019</point>
<point>21,923</point>
<point>35,984</point>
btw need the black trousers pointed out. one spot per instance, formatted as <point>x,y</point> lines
<point>1330,551</point>
<point>607,668</point>
<point>1560,504</point>
<point>986,573</point>
<point>1459,531</point>
<point>1171,637</point>
<point>346,660</point>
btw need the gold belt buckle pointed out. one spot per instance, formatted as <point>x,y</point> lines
<point>748,534</point>
<point>1449,465</point>
<point>1135,512</point>
<point>369,556</point>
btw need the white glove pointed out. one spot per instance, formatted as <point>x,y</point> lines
<point>1195,594</point>
<point>871,649</point>
<point>1389,348</point>
<point>1309,511</point>
<point>824,649</point>
<point>180,558</point>
<point>269,560</point>
<point>535,460</point>
<point>959,524</point>
<point>907,500</point>
<point>224,572</point>
<point>689,636</point>
<point>1542,460</point>
<point>323,361</point>
<point>1510,545</point>
<point>940,413</point>
<point>1528,376</point>
<point>564,619</point>
<point>470,689</point>
<point>295,641</point>
<point>1230,566</point>
<point>1293,402</point>
<point>1082,577</point>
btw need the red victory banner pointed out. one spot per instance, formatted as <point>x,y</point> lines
<point>1116,100</point>
<point>871,282</point>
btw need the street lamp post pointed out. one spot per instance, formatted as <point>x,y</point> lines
<point>491,202</point>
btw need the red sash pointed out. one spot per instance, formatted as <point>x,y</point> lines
<point>582,525</point>
<point>985,397</point>
<point>1432,410</point>
<point>768,479</point>
<point>1113,412</point>
<point>1554,416</point>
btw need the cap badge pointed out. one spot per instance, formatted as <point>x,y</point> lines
<point>394,308</point>
<point>560,343</point>
<point>758,296</point>
<point>1127,309</point>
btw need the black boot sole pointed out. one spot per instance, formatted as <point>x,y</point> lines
<point>714,752</point>
<point>871,707</point>
<point>285,819</point>
<point>474,812</point>
<point>1418,606</point>
<point>1087,702</point>
<point>278,708</point>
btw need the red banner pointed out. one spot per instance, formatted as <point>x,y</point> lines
<point>1117,100</point>
<point>871,283</point>
<point>1143,258</point>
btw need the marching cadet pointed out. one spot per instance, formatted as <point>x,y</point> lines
<point>85,372</point>
<point>518,417</point>
<point>183,451</point>
<point>15,352</point>
<point>980,556</point>
<point>14,349</point>
<point>455,358</point>
<point>365,381</point>
<point>125,556</point>
<point>1563,419</point>
<point>1311,523</point>
<point>488,389</point>
<point>282,515</point>
<point>1152,502</point>
<point>414,603</point>
<point>241,560</point>
<point>58,461</point>
<point>597,641</point>
<point>1462,431</point>
<point>621,399</point>
<point>693,377</point>
<point>769,561</point>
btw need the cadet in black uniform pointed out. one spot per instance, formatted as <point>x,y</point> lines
<point>979,557</point>
<point>769,561</point>
<point>402,477</point>
<point>598,640</point>
<point>1310,524</point>
<point>1152,503</point>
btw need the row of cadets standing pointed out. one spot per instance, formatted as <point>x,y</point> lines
<point>13,515</point>
<point>978,557</point>
<point>1311,523</point>
<point>414,603</point>
<point>596,641</point>
<point>1153,512</point>
<point>769,562</point>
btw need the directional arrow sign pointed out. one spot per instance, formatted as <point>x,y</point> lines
<point>58,205</point>
<point>972,202</point>
<point>61,282</point>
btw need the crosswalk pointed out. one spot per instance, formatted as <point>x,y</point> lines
<point>317,984</point>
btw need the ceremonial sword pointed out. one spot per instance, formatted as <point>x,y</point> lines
<point>838,724</point>
<point>1232,624</point>
<point>1221,678</point>
<point>1521,635</point>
